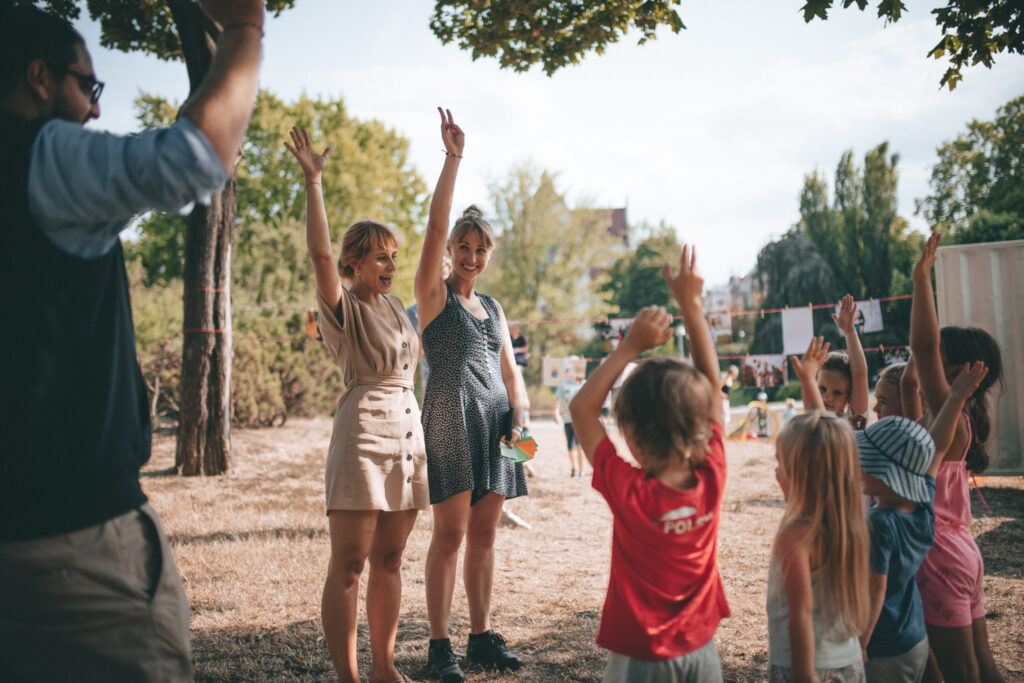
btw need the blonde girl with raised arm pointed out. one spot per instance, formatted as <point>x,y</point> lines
<point>376,463</point>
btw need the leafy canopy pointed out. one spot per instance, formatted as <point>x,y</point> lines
<point>977,185</point>
<point>521,33</point>
<point>136,26</point>
<point>973,31</point>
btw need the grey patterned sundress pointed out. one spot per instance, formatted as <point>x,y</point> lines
<point>465,405</point>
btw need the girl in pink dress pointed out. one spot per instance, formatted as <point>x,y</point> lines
<point>950,578</point>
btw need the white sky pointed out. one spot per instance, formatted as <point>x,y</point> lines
<point>711,130</point>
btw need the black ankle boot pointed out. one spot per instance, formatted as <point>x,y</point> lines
<point>442,663</point>
<point>488,649</point>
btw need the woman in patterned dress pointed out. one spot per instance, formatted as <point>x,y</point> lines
<point>376,464</point>
<point>474,400</point>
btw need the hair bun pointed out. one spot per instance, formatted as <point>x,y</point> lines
<point>473,212</point>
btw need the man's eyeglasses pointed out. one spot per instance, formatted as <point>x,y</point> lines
<point>87,83</point>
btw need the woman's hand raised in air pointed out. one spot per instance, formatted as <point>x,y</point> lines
<point>312,164</point>
<point>451,135</point>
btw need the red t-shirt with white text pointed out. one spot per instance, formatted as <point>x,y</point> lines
<point>665,597</point>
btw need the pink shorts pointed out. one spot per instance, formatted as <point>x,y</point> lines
<point>950,579</point>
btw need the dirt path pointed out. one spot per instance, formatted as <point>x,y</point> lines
<point>252,549</point>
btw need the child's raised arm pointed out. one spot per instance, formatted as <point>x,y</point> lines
<point>945,424</point>
<point>652,327</point>
<point>687,286</point>
<point>924,332</point>
<point>428,285</point>
<point>858,363</point>
<point>807,372</point>
<point>910,397</point>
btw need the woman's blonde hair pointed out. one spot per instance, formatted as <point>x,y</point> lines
<point>472,220</point>
<point>360,239</point>
<point>818,455</point>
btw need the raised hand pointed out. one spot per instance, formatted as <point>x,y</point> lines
<point>847,311</point>
<point>923,267</point>
<point>651,327</point>
<point>451,135</point>
<point>312,164</point>
<point>816,354</point>
<point>688,283</point>
<point>967,382</point>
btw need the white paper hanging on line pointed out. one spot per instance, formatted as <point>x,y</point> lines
<point>868,316</point>
<point>797,330</point>
<point>553,370</point>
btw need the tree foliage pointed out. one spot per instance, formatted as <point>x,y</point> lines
<point>636,279</point>
<point>854,243</point>
<point>543,262</point>
<point>138,26</point>
<point>977,185</point>
<point>521,33</point>
<point>973,31</point>
<point>276,373</point>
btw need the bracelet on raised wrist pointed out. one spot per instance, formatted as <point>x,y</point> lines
<point>451,154</point>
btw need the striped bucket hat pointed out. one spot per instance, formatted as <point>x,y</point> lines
<point>898,451</point>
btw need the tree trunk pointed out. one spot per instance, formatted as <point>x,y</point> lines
<point>204,436</point>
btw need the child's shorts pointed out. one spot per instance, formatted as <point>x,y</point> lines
<point>571,441</point>
<point>905,668</point>
<point>950,579</point>
<point>853,673</point>
<point>700,666</point>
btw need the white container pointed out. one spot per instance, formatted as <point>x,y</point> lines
<point>982,285</point>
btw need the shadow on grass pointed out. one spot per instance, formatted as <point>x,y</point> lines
<point>1001,546</point>
<point>560,649</point>
<point>232,536</point>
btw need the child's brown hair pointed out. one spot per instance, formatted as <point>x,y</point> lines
<point>839,362</point>
<point>665,405</point>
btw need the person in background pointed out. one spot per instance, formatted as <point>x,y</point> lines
<point>88,585</point>
<point>564,393</point>
<point>413,313</point>
<point>728,380</point>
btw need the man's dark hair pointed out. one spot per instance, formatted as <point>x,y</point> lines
<point>28,33</point>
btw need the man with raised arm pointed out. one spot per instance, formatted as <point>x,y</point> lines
<point>88,586</point>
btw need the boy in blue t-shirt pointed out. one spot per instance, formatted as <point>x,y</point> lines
<point>899,460</point>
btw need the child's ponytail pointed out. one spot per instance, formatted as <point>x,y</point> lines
<point>961,345</point>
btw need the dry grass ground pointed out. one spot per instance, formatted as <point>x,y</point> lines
<point>252,549</point>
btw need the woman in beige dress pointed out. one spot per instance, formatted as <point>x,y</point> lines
<point>376,464</point>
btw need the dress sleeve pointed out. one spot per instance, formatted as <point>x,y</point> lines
<point>85,185</point>
<point>336,325</point>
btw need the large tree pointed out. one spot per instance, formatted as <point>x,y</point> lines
<point>636,280</point>
<point>977,185</point>
<point>557,34</point>
<point>180,30</point>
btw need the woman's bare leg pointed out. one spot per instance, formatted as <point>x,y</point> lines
<point>352,534</point>
<point>478,566</point>
<point>384,591</point>
<point>450,520</point>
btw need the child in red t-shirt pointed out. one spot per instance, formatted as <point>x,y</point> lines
<point>665,597</point>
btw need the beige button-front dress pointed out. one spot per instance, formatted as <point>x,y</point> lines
<point>376,460</point>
